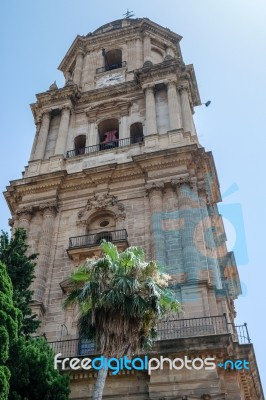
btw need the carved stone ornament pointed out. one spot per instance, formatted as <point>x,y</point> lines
<point>101,201</point>
<point>11,222</point>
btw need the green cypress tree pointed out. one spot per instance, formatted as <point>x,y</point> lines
<point>9,323</point>
<point>29,368</point>
<point>20,267</point>
<point>32,372</point>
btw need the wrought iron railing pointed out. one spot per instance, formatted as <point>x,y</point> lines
<point>167,330</point>
<point>182,328</point>
<point>240,333</point>
<point>95,239</point>
<point>104,146</point>
<point>110,67</point>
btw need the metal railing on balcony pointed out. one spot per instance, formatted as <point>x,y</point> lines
<point>167,330</point>
<point>110,67</point>
<point>240,333</point>
<point>104,146</point>
<point>94,239</point>
<point>192,327</point>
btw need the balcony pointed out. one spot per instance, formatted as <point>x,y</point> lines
<point>89,245</point>
<point>167,330</point>
<point>104,146</point>
<point>110,67</point>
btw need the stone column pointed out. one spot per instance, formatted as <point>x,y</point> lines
<point>147,48</point>
<point>187,118</point>
<point>62,132</point>
<point>44,248</point>
<point>155,193</point>
<point>78,68</point>
<point>42,137</point>
<point>174,106</point>
<point>151,125</point>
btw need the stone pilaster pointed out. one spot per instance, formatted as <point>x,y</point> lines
<point>24,218</point>
<point>38,126</point>
<point>187,118</point>
<point>155,193</point>
<point>174,106</point>
<point>147,48</point>
<point>139,53</point>
<point>93,134</point>
<point>151,125</point>
<point>62,132</point>
<point>42,136</point>
<point>209,248</point>
<point>78,68</point>
<point>49,212</point>
<point>170,52</point>
<point>89,68</point>
<point>189,215</point>
<point>123,131</point>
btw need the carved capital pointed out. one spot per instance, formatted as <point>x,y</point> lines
<point>25,212</point>
<point>171,84</point>
<point>80,52</point>
<point>49,208</point>
<point>153,186</point>
<point>148,87</point>
<point>177,183</point>
<point>183,88</point>
<point>66,108</point>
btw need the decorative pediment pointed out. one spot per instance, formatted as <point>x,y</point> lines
<point>101,201</point>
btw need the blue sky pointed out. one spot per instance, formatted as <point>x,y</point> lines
<point>224,39</point>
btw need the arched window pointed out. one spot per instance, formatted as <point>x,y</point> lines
<point>108,133</point>
<point>136,133</point>
<point>113,59</point>
<point>80,144</point>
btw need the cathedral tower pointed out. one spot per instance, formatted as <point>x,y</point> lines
<point>116,156</point>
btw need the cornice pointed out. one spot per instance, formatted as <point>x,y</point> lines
<point>47,101</point>
<point>196,162</point>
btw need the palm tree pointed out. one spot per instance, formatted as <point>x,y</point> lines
<point>121,298</point>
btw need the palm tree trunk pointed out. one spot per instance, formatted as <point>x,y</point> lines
<point>99,385</point>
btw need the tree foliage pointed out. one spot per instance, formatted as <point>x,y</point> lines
<point>35,368</point>
<point>28,362</point>
<point>20,267</point>
<point>121,299</point>
<point>10,318</point>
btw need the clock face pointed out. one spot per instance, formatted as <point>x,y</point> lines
<point>110,79</point>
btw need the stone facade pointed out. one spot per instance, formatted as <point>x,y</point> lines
<point>116,155</point>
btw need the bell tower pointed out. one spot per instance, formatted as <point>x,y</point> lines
<point>116,156</point>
